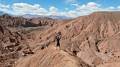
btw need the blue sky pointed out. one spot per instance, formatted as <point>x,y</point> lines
<point>71,8</point>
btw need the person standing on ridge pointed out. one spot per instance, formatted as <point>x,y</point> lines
<point>57,38</point>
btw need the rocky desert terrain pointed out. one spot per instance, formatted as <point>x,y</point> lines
<point>87,41</point>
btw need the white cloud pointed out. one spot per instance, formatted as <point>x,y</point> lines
<point>4,7</point>
<point>88,6</point>
<point>72,13</point>
<point>53,10</point>
<point>92,5</point>
<point>75,4</point>
<point>25,8</point>
<point>111,8</point>
<point>118,7</point>
<point>36,9</point>
<point>86,9</point>
<point>71,1</point>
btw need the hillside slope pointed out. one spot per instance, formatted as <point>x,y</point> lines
<point>87,41</point>
<point>51,57</point>
<point>92,36</point>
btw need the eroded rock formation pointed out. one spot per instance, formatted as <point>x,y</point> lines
<point>87,41</point>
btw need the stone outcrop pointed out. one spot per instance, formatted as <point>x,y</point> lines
<point>13,45</point>
<point>50,57</point>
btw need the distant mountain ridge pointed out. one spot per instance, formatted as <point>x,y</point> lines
<point>51,16</point>
<point>59,17</point>
<point>30,16</point>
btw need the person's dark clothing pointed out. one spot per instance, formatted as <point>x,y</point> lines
<point>58,37</point>
<point>58,43</point>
